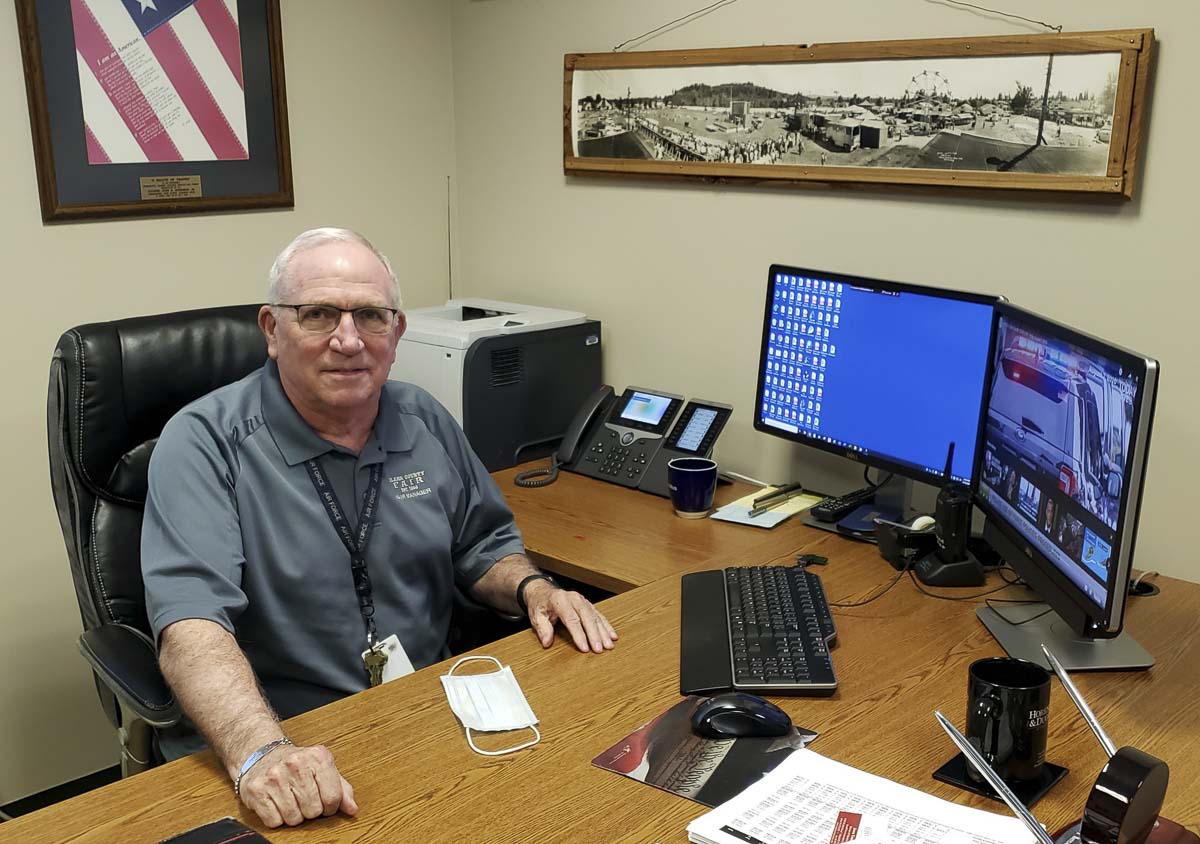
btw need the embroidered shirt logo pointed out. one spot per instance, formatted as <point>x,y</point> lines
<point>410,485</point>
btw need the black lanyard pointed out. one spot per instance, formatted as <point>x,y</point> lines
<point>356,545</point>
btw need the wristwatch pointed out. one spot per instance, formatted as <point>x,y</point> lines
<point>521,588</point>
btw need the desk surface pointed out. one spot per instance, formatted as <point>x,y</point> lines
<point>618,539</point>
<point>898,659</point>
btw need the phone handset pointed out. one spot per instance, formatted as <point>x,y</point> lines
<point>595,406</point>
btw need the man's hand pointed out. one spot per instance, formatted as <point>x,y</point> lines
<point>548,604</point>
<point>293,784</point>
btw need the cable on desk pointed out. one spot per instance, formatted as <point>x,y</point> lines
<point>876,596</point>
<point>1016,581</point>
<point>1007,585</point>
<point>533,478</point>
<point>1137,581</point>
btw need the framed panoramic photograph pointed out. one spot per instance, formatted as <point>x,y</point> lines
<point>1057,112</point>
<point>143,107</point>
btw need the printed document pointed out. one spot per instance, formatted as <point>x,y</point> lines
<point>809,799</point>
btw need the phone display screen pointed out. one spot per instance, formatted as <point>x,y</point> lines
<point>697,427</point>
<point>646,408</point>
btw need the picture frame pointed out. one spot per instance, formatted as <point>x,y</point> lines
<point>153,107</point>
<point>1056,113</point>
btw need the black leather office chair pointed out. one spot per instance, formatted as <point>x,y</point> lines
<point>113,386</point>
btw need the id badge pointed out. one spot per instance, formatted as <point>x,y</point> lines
<point>398,664</point>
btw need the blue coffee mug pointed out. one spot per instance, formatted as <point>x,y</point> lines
<point>692,482</point>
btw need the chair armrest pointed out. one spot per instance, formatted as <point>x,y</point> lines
<point>124,660</point>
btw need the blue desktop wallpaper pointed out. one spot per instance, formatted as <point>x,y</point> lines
<point>903,372</point>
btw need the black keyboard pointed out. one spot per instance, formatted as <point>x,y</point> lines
<point>760,629</point>
<point>838,507</point>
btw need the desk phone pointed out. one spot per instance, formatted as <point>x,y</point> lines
<point>625,440</point>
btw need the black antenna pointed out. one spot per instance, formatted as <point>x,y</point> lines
<point>946,478</point>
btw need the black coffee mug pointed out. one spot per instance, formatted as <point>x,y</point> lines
<point>1008,701</point>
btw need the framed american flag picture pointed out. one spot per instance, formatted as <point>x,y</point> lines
<point>147,107</point>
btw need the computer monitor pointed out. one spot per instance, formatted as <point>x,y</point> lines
<point>884,373</point>
<point>1060,481</point>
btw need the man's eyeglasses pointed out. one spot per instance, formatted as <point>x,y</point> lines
<point>323,319</point>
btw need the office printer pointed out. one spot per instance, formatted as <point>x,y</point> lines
<point>512,375</point>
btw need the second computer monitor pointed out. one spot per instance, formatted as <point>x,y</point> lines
<point>888,374</point>
<point>1065,448</point>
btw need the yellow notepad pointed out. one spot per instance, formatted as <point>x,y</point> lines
<point>739,511</point>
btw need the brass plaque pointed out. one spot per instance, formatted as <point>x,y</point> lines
<point>170,187</point>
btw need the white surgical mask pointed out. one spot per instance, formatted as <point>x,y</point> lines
<point>491,702</point>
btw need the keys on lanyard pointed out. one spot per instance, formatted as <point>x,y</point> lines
<point>374,661</point>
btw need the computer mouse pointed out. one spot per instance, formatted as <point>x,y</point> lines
<point>738,714</point>
<point>922,522</point>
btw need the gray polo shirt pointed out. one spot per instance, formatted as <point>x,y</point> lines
<point>234,533</point>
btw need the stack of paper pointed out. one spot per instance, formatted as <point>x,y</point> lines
<point>809,799</point>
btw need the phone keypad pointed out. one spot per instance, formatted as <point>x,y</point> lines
<point>617,461</point>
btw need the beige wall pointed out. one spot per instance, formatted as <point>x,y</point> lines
<point>372,147</point>
<point>677,272</point>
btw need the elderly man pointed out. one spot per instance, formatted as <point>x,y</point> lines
<point>310,523</point>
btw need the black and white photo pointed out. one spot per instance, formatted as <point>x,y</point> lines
<point>1030,113</point>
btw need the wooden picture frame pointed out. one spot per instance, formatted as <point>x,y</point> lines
<point>176,138</point>
<point>668,113</point>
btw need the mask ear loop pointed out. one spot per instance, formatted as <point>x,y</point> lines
<point>536,739</point>
<point>499,667</point>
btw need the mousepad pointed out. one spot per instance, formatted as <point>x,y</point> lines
<point>666,754</point>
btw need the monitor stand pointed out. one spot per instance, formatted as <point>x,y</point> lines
<point>1022,635</point>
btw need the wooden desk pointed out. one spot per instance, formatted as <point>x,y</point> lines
<point>898,659</point>
<point>618,539</point>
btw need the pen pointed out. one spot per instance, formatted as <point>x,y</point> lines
<point>1080,703</point>
<point>985,770</point>
<point>781,491</point>
<point>775,501</point>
